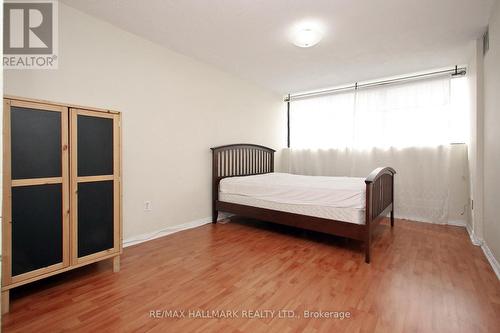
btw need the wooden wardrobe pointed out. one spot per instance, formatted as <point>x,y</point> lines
<point>61,190</point>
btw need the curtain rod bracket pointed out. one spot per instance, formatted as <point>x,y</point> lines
<point>459,73</point>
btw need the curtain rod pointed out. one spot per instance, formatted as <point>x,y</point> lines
<point>457,71</point>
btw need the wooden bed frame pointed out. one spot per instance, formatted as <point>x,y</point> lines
<point>248,159</point>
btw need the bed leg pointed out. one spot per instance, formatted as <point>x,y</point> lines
<point>367,252</point>
<point>392,218</point>
<point>368,242</point>
<point>215,216</point>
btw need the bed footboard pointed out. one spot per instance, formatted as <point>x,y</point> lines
<point>379,201</point>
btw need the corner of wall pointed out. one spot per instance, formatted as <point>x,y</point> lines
<point>491,155</point>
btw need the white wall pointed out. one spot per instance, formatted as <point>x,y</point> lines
<point>476,144</point>
<point>492,137</point>
<point>174,109</point>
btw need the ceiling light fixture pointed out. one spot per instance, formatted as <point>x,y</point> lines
<point>306,33</point>
<point>307,37</point>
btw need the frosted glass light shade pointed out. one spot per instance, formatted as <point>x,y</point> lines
<point>306,37</point>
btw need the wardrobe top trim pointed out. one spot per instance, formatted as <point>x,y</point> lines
<point>73,106</point>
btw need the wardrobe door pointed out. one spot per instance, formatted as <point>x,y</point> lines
<point>36,190</point>
<point>95,188</point>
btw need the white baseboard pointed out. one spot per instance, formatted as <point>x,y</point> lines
<point>457,223</point>
<point>491,258</point>
<point>169,230</point>
<point>486,250</point>
<point>473,238</point>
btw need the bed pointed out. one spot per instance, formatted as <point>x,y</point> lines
<point>244,183</point>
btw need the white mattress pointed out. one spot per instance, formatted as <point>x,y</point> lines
<point>337,198</point>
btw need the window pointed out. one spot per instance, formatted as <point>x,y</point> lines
<point>426,112</point>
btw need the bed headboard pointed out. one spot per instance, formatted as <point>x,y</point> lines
<point>240,159</point>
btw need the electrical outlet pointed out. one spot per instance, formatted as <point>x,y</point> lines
<point>148,206</point>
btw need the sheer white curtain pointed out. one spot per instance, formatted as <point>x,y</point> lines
<point>412,114</point>
<point>323,122</point>
<point>407,126</point>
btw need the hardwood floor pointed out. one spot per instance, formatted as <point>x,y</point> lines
<point>423,278</point>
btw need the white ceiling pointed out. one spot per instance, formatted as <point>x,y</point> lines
<point>364,39</point>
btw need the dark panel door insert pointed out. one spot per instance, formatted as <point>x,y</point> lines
<point>35,143</point>
<point>95,217</point>
<point>95,146</point>
<point>37,235</point>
